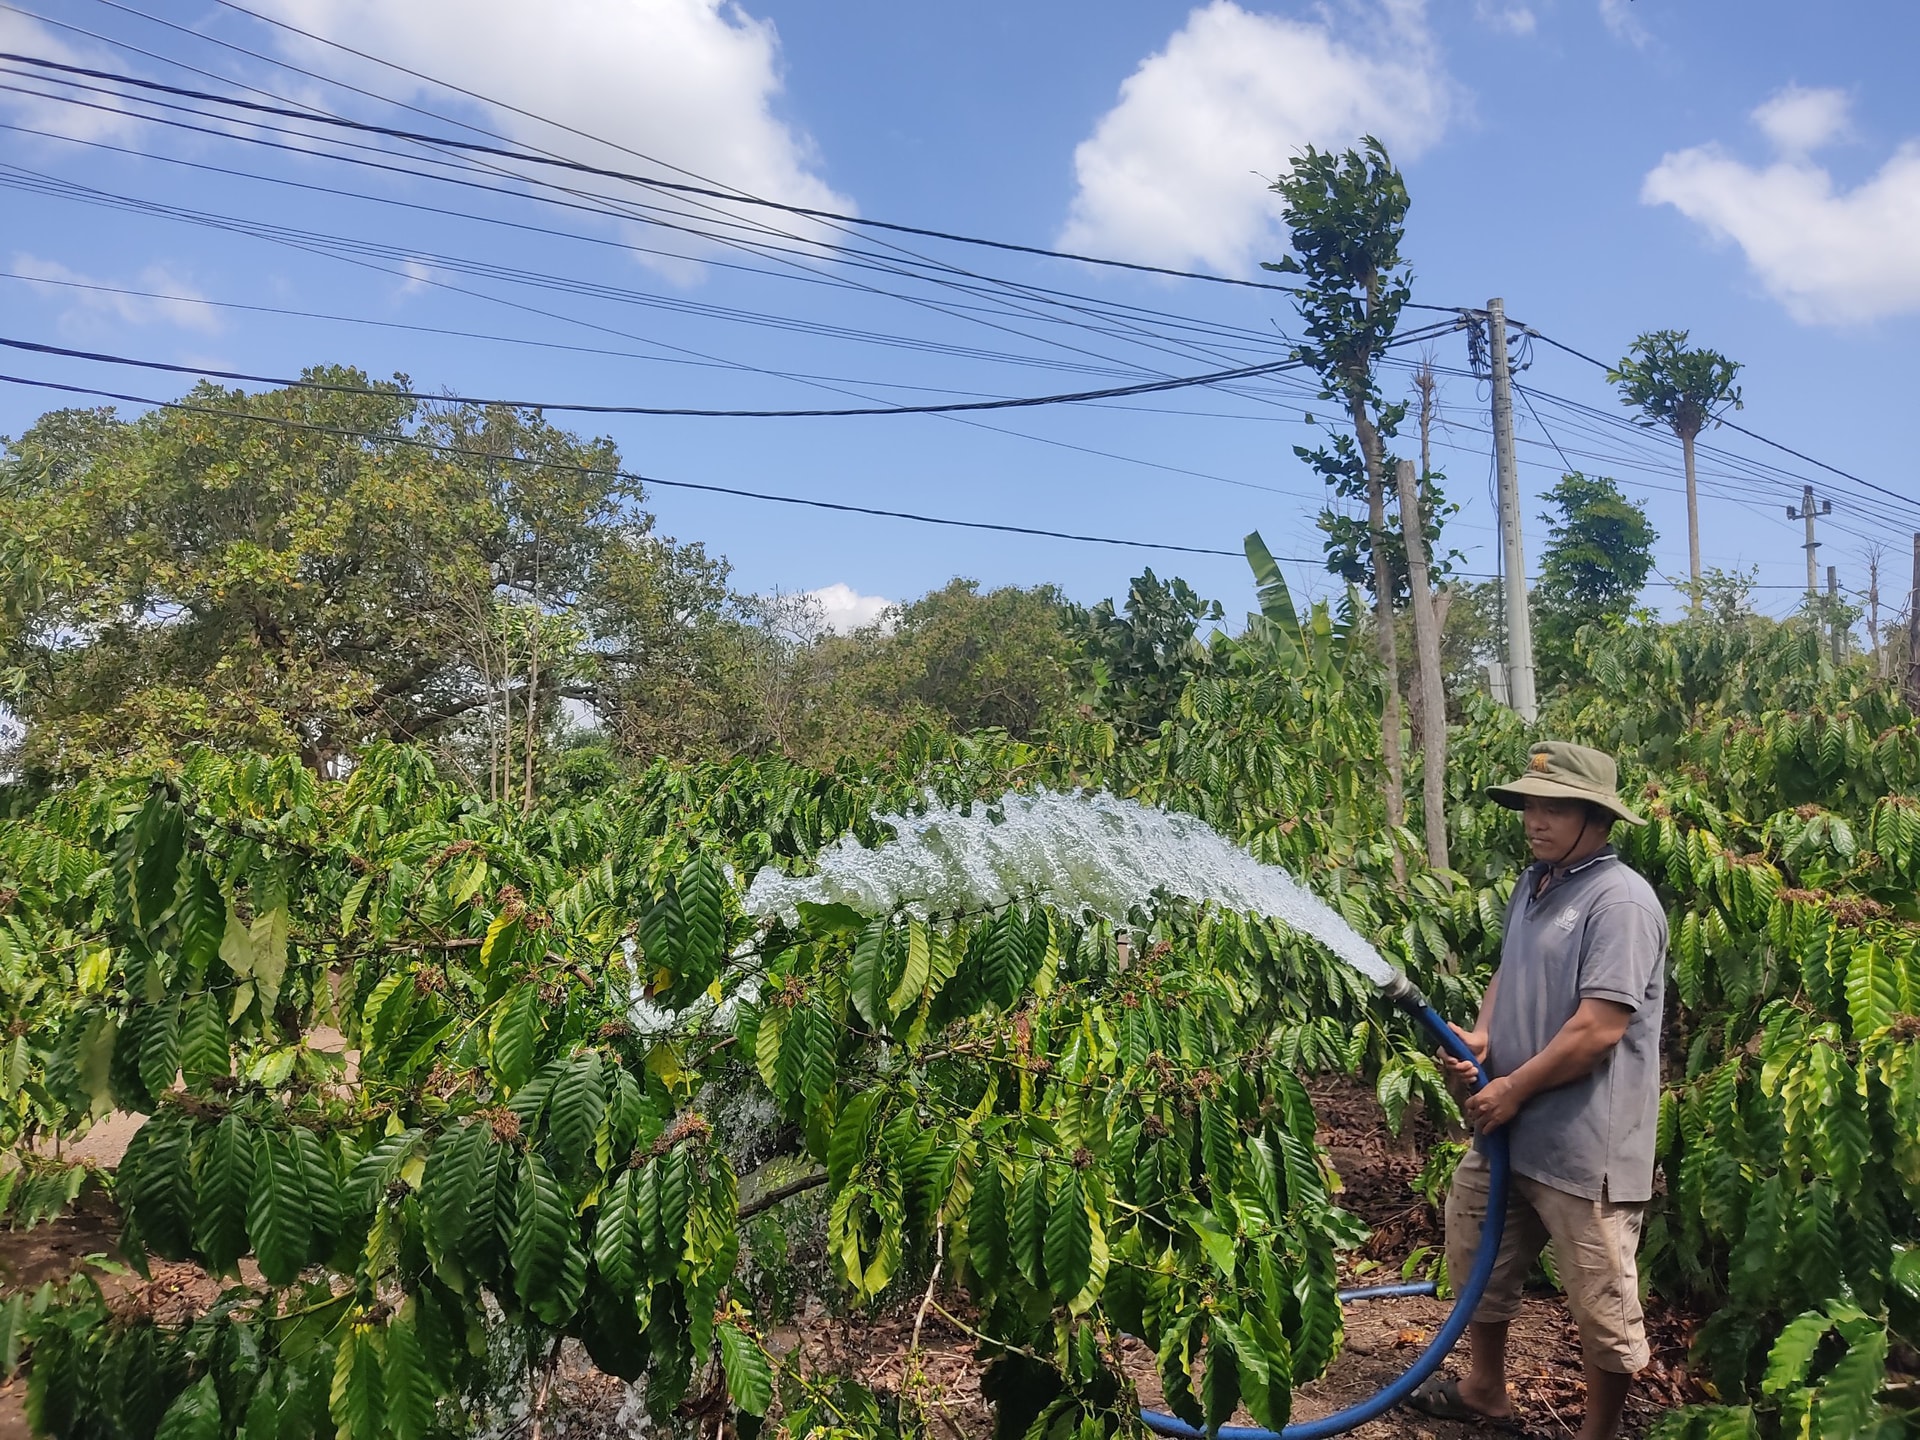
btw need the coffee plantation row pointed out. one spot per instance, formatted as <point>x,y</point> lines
<point>1089,1131</point>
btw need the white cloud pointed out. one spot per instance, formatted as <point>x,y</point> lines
<point>418,274</point>
<point>842,609</point>
<point>685,83</point>
<point>1800,121</point>
<point>1623,24</point>
<point>1513,19</point>
<point>156,297</point>
<point>1831,256</point>
<point>1172,175</point>
<point>99,120</point>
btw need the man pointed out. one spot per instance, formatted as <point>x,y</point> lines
<point>1569,1033</point>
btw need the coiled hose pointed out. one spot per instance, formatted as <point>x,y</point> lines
<point>1466,1299</point>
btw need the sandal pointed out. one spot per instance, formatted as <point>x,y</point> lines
<point>1439,1396</point>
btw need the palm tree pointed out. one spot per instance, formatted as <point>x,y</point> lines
<point>1685,390</point>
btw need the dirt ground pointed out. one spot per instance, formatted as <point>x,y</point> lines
<point>1382,1337</point>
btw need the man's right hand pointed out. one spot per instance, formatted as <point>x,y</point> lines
<point>1459,1074</point>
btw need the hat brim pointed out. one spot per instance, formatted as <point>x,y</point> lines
<point>1514,796</point>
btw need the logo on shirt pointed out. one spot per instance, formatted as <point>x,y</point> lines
<point>1568,918</point>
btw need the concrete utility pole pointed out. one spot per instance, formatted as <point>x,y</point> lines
<point>1433,695</point>
<point>1807,511</point>
<point>1512,549</point>
<point>1913,631</point>
<point>1833,614</point>
<point>1874,556</point>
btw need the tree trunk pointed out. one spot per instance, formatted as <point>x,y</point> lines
<point>1912,683</point>
<point>1693,517</point>
<point>533,683</point>
<point>1433,697</point>
<point>1395,785</point>
<point>533,687</point>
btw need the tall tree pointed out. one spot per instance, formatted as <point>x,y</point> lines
<point>1599,553</point>
<point>1685,390</point>
<point>306,570</point>
<point>1138,659</point>
<point>1429,620</point>
<point>958,658</point>
<point>1346,215</point>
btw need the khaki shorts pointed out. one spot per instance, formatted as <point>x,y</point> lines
<point>1593,1253</point>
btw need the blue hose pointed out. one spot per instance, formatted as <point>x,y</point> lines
<point>1466,1299</point>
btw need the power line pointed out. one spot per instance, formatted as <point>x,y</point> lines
<point>324,245</point>
<point>1025,287</point>
<point>860,258</point>
<point>1750,434</point>
<point>1086,305</point>
<point>346,247</point>
<point>650,181</point>
<point>946,408</point>
<point>335,318</point>
<point>628,475</point>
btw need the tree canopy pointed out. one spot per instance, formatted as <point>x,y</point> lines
<point>1599,553</point>
<point>309,571</point>
<point>1674,386</point>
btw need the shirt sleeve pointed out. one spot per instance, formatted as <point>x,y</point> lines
<point>1623,945</point>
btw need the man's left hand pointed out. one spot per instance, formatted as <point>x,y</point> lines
<point>1495,1104</point>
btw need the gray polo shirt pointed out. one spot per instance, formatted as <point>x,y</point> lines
<point>1598,931</point>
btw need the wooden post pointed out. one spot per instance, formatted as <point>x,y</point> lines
<point>1834,632</point>
<point>1433,695</point>
<point>1913,631</point>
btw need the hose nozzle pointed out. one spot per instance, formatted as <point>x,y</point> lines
<point>1403,993</point>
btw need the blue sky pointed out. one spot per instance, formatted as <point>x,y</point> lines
<point>1747,171</point>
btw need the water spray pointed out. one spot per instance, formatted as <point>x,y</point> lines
<point>1097,855</point>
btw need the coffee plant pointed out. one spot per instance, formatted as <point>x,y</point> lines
<point>1087,1131</point>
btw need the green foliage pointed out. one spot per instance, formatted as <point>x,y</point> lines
<point>1139,659</point>
<point>1346,219</point>
<point>1673,386</point>
<point>522,1153</point>
<point>314,582</point>
<point>1598,555</point>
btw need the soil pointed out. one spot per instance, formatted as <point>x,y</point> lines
<point>1382,1337</point>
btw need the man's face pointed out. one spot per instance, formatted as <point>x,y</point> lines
<point>1554,826</point>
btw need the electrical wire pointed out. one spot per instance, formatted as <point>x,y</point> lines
<point>1907,500</point>
<point>1028,289</point>
<point>308,116</point>
<point>945,408</point>
<point>652,182</point>
<point>85,194</point>
<point>413,442</point>
<point>994,285</point>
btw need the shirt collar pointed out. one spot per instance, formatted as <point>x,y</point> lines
<point>1541,868</point>
<point>1605,852</point>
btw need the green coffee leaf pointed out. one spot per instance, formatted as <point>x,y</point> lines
<point>516,1031</point>
<point>575,1107</point>
<point>278,1212</point>
<point>407,1381</point>
<point>748,1370</point>
<point>1069,1240</point>
<point>226,1188</point>
<point>847,1150</point>
<point>867,977</point>
<point>549,1265</point>
<point>617,1253</point>
<point>194,1413</point>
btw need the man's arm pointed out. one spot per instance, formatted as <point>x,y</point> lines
<point>1582,1043</point>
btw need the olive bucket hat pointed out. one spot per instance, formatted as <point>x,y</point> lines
<point>1566,772</point>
